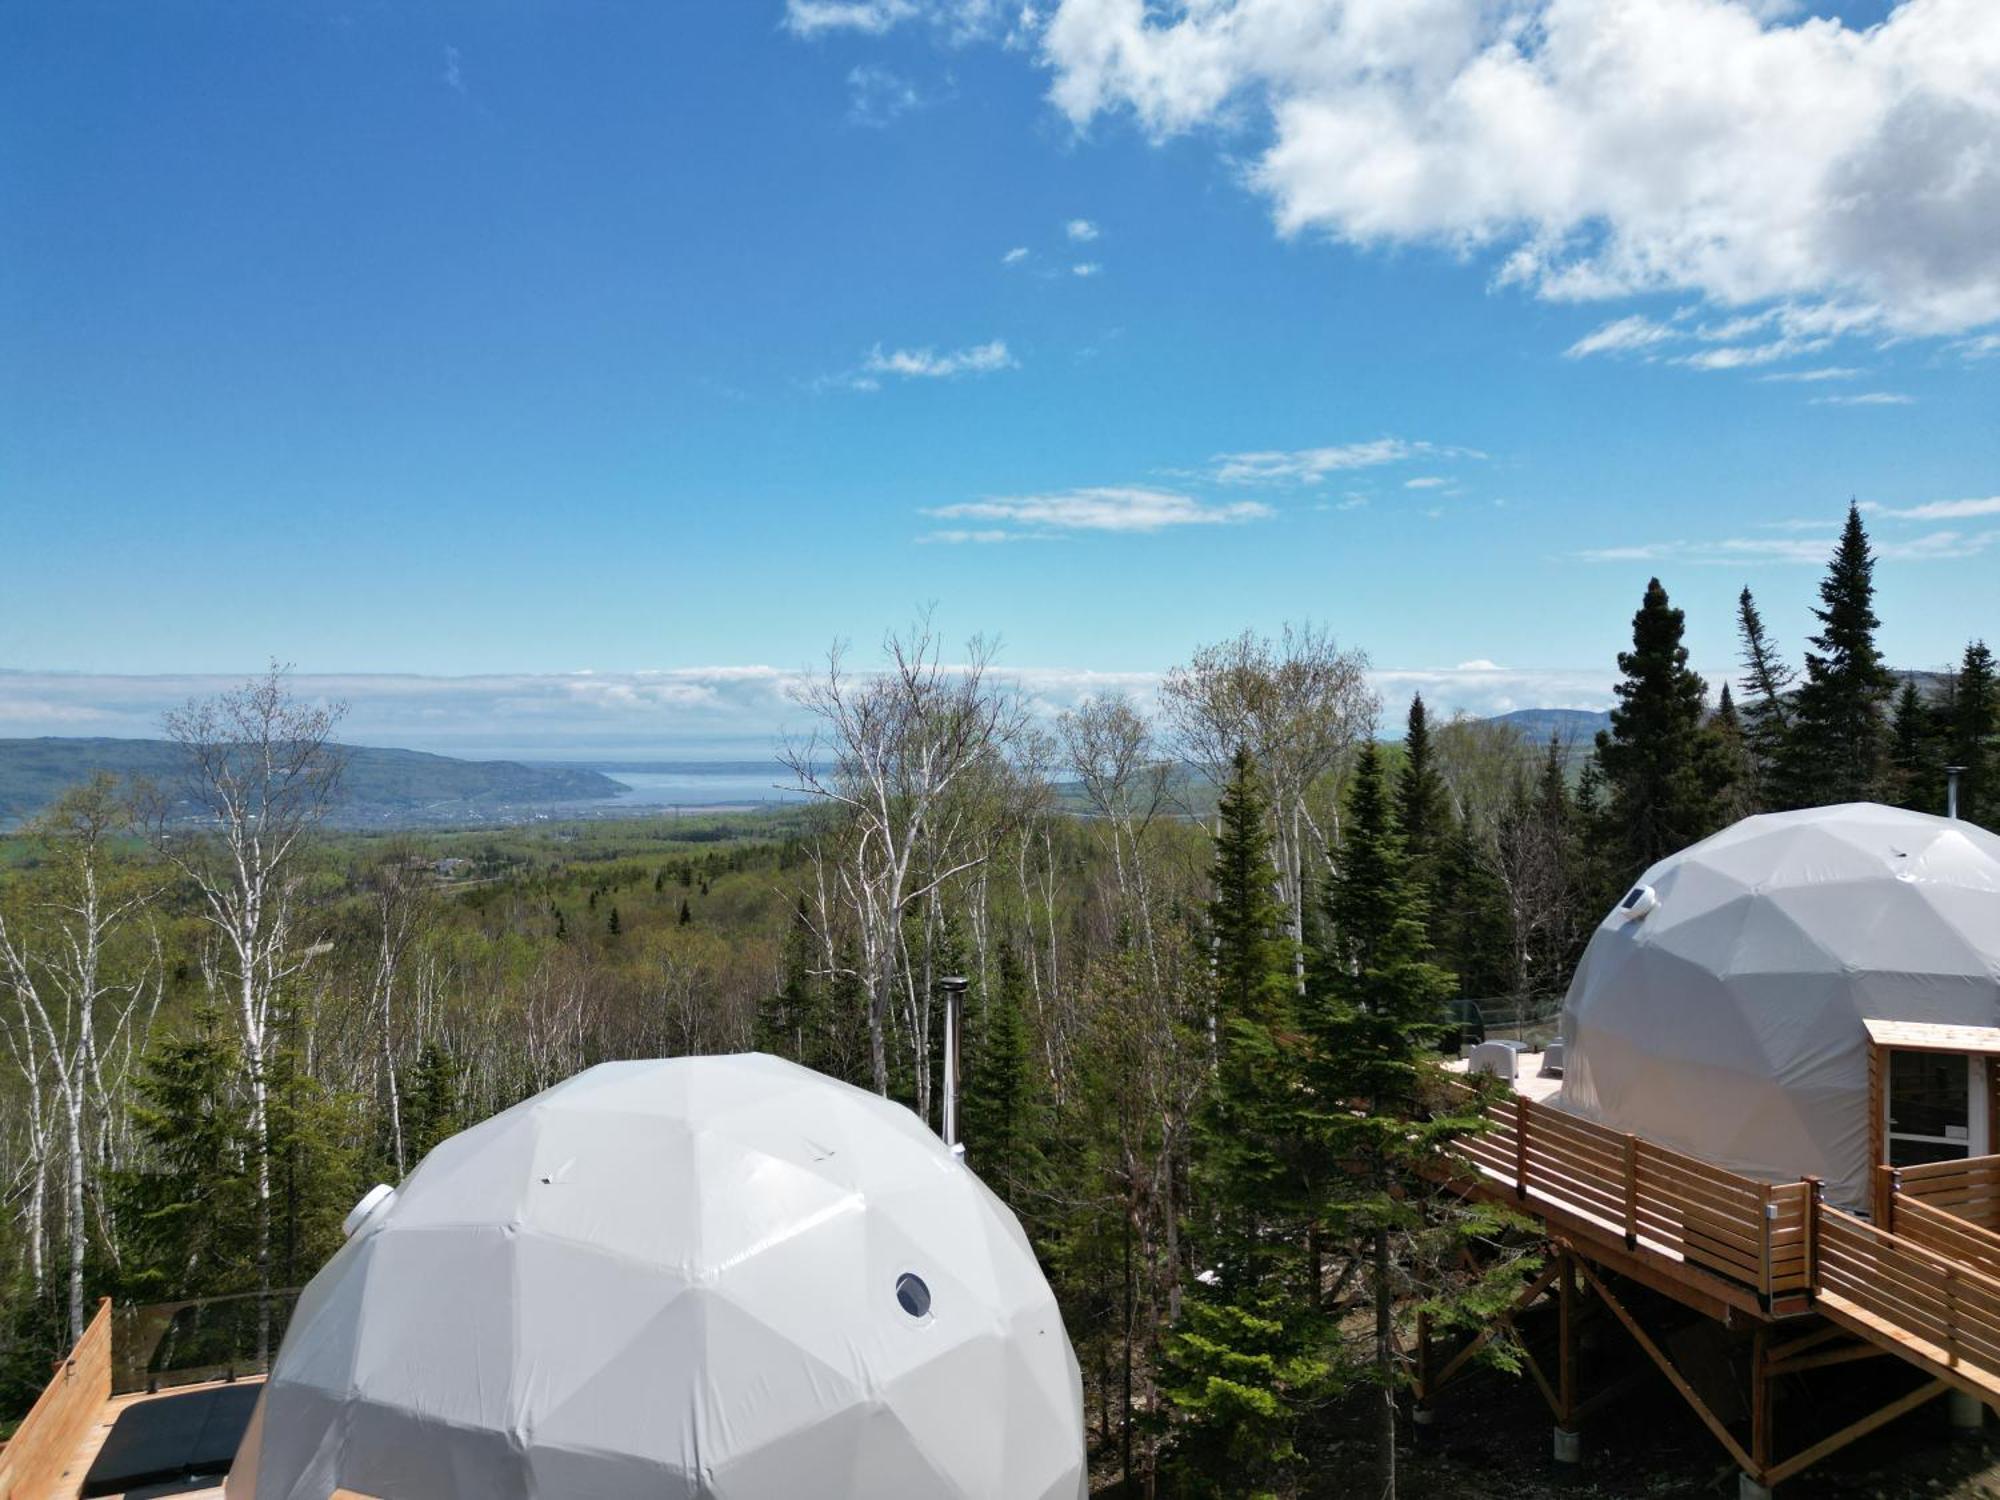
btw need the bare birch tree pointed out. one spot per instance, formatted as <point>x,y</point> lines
<point>261,771</point>
<point>892,748</point>
<point>73,1013</point>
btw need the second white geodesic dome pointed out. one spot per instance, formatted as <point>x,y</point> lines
<point>1726,1020</point>
<point>725,1278</point>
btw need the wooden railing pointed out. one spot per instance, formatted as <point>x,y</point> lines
<point>1968,1188</point>
<point>48,1437</point>
<point>1937,1307</point>
<point>1925,1283</point>
<point>1754,1233</point>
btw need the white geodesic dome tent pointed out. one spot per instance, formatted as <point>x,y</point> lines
<point>727,1278</point>
<point>1723,1013</point>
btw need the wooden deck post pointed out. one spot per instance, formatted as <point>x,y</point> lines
<point>1760,1399</point>
<point>1885,1198</point>
<point>1767,1215</point>
<point>1631,1191</point>
<point>1811,1241</point>
<point>1520,1145</point>
<point>1566,1342</point>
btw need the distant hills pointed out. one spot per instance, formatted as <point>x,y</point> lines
<point>380,788</point>
<point>1576,726</point>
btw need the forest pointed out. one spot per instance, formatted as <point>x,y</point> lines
<point>1211,941</point>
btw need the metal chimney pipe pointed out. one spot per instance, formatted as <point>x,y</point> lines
<point>953,990</point>
<point>1951,775</point>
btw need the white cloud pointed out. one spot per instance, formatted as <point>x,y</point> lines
<point>1484,688</point>
<point>919,364</point>
<point>1824,372</point>
<point>1621,336</point>
<point>878,97</point>
<point>1311,465</point>
<point>1939,510</point>
<point>1713,147</point>
<point>1015,256</point>
<point>1085,268</point>
<point>1867,398</point>
<point>1802,550</point>
<point>924,364</point>
<point>1103,508</point>
<point>871,17</point>
<point>454,72</point>
<point>1081,230</point>
<point>1426,482</point>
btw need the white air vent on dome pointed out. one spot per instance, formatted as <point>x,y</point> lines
<point>371,1200</point>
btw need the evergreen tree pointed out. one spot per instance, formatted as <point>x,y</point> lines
<point>1767,685</point>
<point>1469,926</point>
<point>1838,746</point>
<point>660,882</point>
<point>432,1108</point>
<point>318,1139</point>
<point>1735,782</point>
<point>612,926</point>
<point>1655,758</point>
<point>1246,922</point>
<point>1239,1362</point>
<point>188,1213</point>
<point>1373,1012</point>
<point>996,1105</point>
<point>1423,809</point>
<point>1975,719</point>
<point>1916,759</point>
<point>687,913</point>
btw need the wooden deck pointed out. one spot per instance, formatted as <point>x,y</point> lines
<point>1922,1283</point>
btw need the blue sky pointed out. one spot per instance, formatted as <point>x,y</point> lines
<point>520,340</point>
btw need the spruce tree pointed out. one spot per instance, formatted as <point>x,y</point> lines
<point>1239,1367</point>
<point>1423,809</point>
<point>1246,921</point>
<point>1916,759</point>
<point>188,1211</point>
<point>1975,719</point>
<point>1655,758</point>
<point>1373,1012</point>
<point>433,1110</point>
<point>1767,685</point>
<point>1838,747</point>
<point>997,1105</point>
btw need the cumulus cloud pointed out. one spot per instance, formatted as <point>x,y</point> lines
<point>1306,466</point>
<point>1717,148</point>
<point>1015,256</point>
<point>1085,268</point>
<point>1081,230</point>
<point>1101,508</point>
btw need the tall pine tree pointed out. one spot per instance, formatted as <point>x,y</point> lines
<point>1656,760</point>
<point>1373,1012</point>
<point>1975,720</point>
<point>1838,746</point>
<point>1423,807</point>
<point>1767,709</point>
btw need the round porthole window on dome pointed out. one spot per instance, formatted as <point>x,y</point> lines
<point>913,1295</point>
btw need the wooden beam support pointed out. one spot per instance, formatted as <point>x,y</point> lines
<point>1843,1356</point>
<point>1688,1394</point>
<point>1485,1335</point>
<point>1799,1346</point>
<point>1565,1338</point>
<point>1799,1462</point>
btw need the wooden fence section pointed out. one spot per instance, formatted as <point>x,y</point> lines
<point>1929,1306</point>
<point>1968,1188</point>
<point>50,1434</point>
<point>1753,1233</point>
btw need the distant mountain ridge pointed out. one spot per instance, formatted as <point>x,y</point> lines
<point>379,787</point>
<point>1569,725</point>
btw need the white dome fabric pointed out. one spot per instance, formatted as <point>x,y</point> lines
<point>674,1280</point>
<point>1727,1022</point>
